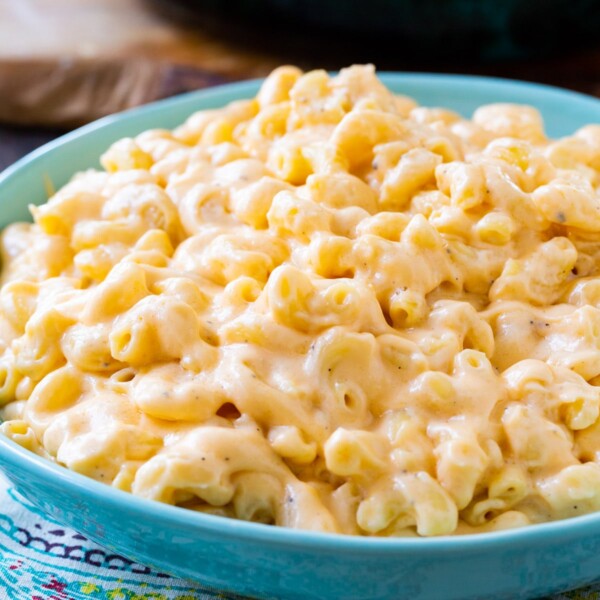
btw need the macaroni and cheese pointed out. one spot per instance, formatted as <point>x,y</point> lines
<point>324,308</point>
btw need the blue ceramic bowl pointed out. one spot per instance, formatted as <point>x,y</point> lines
<point>262,561</point>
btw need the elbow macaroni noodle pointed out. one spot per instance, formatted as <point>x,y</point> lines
<point>324,308</point>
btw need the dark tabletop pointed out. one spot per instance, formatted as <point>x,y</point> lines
<point>17,142</point>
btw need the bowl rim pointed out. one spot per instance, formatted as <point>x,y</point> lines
<point>14,456</point>
<point>166,514</point>
<point>251,85</point>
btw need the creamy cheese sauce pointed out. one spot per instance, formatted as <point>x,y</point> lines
<point>324,308</point>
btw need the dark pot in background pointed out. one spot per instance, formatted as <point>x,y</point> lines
<point>474,29</point>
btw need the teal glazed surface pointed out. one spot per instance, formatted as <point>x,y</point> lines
<point>270,562</point>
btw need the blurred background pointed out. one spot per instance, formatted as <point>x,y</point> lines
<point>67,62</point>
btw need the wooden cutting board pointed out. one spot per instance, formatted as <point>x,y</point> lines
<point>64,62</point>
